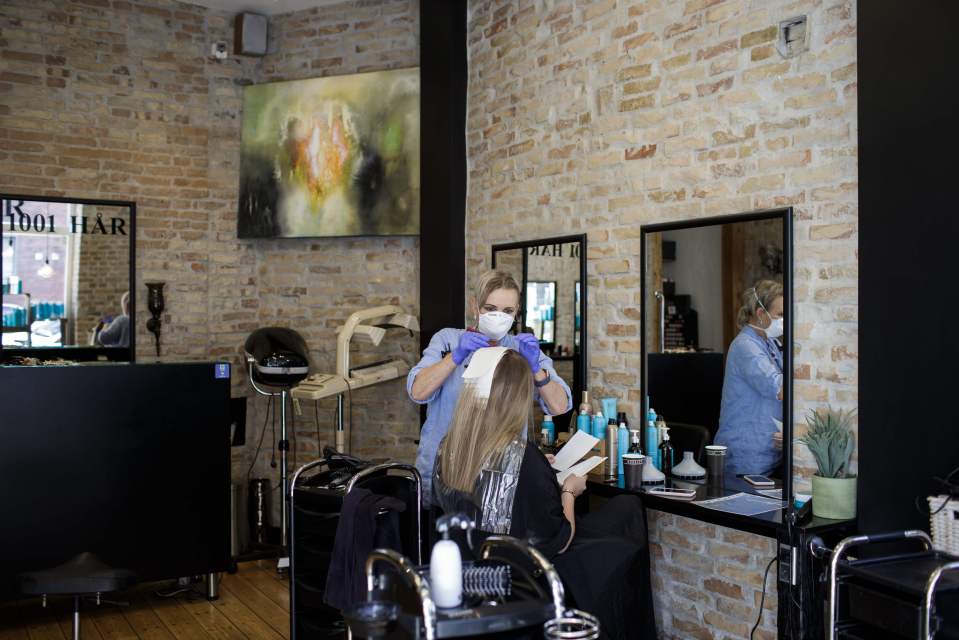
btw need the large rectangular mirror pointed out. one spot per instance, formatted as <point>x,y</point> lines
<point>552,275</point>
<point>67,278</point>
<point>715,364</point>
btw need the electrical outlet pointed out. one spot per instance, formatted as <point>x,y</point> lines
<point>788,564</point>
<point>793,37</point>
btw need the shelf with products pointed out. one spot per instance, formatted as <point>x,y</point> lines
<point>18,318</point>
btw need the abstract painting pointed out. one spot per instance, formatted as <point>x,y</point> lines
<point>335,156</point>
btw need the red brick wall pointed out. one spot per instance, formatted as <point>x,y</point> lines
<point>122,100</point>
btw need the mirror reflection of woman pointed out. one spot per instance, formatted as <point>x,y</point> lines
<point>432,381</point>
<point>753,385</point>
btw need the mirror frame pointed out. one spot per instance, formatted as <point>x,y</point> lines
<point>786,216</point>
<point>580,380</point>
<point>84,353</point>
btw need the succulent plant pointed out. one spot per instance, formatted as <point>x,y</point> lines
<point>830,440</point>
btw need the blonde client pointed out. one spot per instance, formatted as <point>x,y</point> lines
<point>488,468</point>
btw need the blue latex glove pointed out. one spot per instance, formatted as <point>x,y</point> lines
<point>529,349</point>
<point>469,342</point>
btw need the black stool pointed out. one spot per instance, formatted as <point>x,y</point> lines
<point>82,575</point>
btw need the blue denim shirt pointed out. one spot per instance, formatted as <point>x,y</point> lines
<point>754,376</point>
<point>440,405</point>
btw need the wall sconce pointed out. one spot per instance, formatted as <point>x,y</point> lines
<point>156,305</point>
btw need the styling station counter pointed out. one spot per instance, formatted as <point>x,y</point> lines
<point>129,462</point>
<point>709,565</point>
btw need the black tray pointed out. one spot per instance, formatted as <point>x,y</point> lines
<point>907,573</point>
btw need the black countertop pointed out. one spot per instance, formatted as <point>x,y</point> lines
<point>764,524</point>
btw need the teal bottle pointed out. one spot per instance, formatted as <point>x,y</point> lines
<point>599,426</point>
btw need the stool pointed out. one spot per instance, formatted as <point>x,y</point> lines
<point>82,575</point>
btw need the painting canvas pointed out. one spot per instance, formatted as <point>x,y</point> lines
<point>336,156</point>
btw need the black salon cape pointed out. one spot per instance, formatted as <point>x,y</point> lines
<point>360,529</point>
<point>606,568</point>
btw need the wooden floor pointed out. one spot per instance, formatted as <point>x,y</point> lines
<point>253,603</point>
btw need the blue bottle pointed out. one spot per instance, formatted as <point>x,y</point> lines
<point>622,443</point>
<point>583,421</point>
<point>652,438</point>
<point>599,426</point>
<point>550,428</point>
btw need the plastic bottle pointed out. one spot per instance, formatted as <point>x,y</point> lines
<point>583,421</point>
<point>660,429</point>
<point>666,458</point>
<point>622,445</point>
<point>446,573</point>
<point>635,445</point>
<point>652,438</point>
<point>549,427</point>
<point>599,426</point>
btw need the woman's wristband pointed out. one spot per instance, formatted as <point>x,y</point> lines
<point>569,492</point>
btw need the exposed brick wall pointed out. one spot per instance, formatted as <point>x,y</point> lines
<point>601,116</point>
<point>707,580</point>
<point>122,100</point>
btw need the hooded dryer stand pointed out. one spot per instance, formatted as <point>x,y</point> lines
<point>283,445</point>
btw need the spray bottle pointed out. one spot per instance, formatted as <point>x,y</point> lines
<point>611,450</point>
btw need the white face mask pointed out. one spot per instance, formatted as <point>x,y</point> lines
<point>495,324</point>
<point>775,328</point>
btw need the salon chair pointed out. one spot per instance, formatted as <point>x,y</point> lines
<point>84,575</point>
<point>689,437</point>
<point>400,602</point>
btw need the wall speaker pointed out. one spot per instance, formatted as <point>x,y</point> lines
<point>250,34</point>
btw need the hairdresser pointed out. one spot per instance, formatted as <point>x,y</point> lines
<point>437,378</point>
<point>753,385</point>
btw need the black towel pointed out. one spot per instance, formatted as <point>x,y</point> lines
<point>358,532</point>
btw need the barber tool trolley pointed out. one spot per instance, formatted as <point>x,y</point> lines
<point>904,592</point>
<point>317,493</point>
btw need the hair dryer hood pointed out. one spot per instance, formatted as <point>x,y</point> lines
<point>279,356</point>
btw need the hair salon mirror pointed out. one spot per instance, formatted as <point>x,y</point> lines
<point>552,276</point>
<point>716,365</point>
<point>67,276</point>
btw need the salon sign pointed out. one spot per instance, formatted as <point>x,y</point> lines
<point>18,220</point>
<point>556,250</point>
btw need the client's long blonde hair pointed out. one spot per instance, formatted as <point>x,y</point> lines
<point>481,428</point>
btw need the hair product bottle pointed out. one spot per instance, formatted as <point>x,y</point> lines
<point>611,451</point>
<point>622,444</point>
<point>549,428</point>
<point>635,446</point>
<point>599,426</point>
<point>666,458</point>
<point>583,421</point>
<point>652,439</point>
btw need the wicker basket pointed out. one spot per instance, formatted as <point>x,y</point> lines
<point>944,523</point>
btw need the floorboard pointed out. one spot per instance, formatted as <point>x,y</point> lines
<point>254,604</point>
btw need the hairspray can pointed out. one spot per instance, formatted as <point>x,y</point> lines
<point>612,450</point>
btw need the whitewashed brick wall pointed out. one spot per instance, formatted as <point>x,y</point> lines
<point>599,116</point>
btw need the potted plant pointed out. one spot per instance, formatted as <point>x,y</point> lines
<point>831,442</point>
